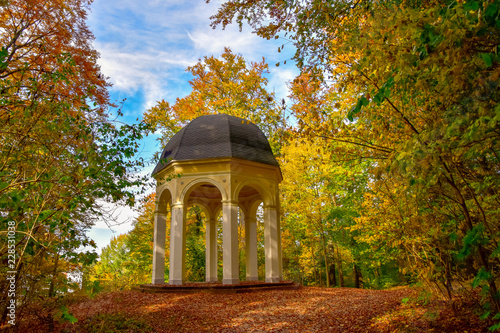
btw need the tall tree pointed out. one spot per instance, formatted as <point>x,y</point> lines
<point>306,201</point>
<point>223,85</point>
<point>321,196</point>
<point>60,156</point>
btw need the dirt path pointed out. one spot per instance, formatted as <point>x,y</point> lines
<point>304,310</point>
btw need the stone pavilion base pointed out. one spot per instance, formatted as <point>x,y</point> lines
<point>211,287</point>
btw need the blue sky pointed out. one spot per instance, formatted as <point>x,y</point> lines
<point>145,47</point>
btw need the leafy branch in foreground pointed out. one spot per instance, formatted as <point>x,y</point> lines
<point>60,156</point>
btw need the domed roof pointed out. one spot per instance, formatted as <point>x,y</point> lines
<point>218,135</point>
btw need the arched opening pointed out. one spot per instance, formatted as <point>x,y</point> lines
<point>161,236</point>
<point>195,244</point>
<point>262,232</point>
<point>261,255</point>
<point>251,235</point>
<point>203,201</point>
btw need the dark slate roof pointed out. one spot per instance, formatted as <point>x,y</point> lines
<point>218,135</point>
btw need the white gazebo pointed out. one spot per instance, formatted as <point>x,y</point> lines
<point>225,164</point>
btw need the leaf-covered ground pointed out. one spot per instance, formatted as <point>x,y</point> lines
<point>305,310</point>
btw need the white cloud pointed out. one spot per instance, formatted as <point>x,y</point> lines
<point>149,71</point>
<point>278,79</point>
<point>213,42</point>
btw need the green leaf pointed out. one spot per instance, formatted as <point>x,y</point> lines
<point>488,59</point>
<point>67,316</point>
<point>471,5</point>
<point>496,253</point>
<point>485,315</point>
<point>491,10</point>
<point>94,289</point>
<point>482,276</point>
<point>472,239</point>
<point>494,327</point>
<point>357,108</point>
<point>3,56</point>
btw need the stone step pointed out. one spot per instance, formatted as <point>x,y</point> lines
<point>217,288</point>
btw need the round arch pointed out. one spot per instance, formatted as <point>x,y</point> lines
<point>163,200</point>
<point>192,185</point>
<point>265,195</point>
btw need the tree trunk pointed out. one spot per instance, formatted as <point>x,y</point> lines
<point>52,290</point>
<point>358,283</point>
<point>325,255</point>
<point>199,222</point>
<point>315,269</point>
<point>341,272</point>
<point>377,275</point>
<point>332,276</point>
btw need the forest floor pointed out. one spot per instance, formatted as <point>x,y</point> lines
<point>308,309</point>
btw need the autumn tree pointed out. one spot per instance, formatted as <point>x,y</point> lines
<point>60,156</point>
<point>413,87</point>
<point>111,271</point>
<point>306,201</point>
<point>223,85</point>
<point>321,197</point>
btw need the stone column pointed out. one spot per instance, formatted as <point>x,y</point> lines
<point>272,244</point>
<point>230,269</point>
<point>211,251</point>
<point>251,247</point>
<point>159,249</point>
<point>177,245</point>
